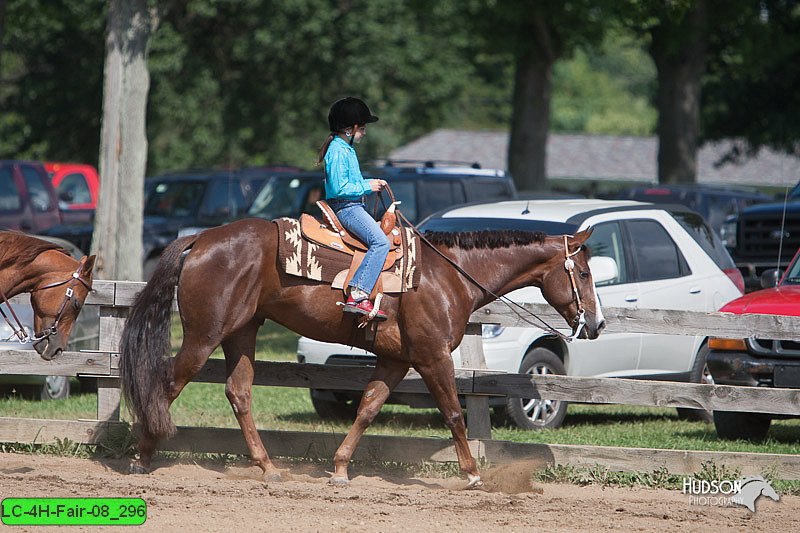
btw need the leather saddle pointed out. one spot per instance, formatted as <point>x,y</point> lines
<point>334,236</point>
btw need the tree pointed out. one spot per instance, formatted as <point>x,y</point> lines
<point>679,48</point>
<point>50,81</point>
<point>536,35</point>
<point>750,93</point>
<point>117,239</point>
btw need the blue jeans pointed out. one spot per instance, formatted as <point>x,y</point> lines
<point>354,217</point>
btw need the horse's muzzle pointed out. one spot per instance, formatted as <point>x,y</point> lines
<point>48,347</point>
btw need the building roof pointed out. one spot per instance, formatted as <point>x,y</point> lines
<point>601,157</point>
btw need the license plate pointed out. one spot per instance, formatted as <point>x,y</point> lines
<point>787,377</point>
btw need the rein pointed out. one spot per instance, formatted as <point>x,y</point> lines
<point>569,265</point>
<point>19,330</point>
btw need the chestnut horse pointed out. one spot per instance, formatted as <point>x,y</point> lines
<point>58,285</point>
<point>230,282</point>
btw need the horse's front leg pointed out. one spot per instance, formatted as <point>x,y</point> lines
<point>387,375</point>
<point>439,375</point>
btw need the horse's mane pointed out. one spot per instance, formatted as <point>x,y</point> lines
<point>19,249</point>
<point>488,239</point>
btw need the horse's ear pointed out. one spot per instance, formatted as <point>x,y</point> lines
<point>581,236</point>
<point>87,264</point>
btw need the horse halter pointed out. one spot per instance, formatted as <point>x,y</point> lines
<point>569,266</point>
<point>21,334</point>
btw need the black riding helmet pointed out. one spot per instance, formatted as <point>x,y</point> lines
<point>349,112</point>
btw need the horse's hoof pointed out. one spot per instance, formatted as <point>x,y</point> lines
<point>475,482</point>
<point>339,481</point>
<point>136,468</point>
<point>273,477</point>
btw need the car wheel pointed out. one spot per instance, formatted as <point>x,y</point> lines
<point>699,374</point>
<point>337,409</point>
<point>55,388</point>
<point>538,414</point>
<point>732,425</point>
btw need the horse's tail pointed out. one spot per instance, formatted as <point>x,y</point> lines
<point>145,365</point>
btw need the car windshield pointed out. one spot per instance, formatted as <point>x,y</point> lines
<point>793,274</point>
<point>458,224</point>
<point>281,197</point>
<point>174,198</point>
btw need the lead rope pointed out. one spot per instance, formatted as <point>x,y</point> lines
<point>510,303</point>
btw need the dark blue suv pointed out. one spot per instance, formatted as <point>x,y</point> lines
<point>422,187</point>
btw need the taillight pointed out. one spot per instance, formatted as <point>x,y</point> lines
<point>736,277</point>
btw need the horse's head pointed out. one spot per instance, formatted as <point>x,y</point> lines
<point>56,302</point>
<point>568,286</point>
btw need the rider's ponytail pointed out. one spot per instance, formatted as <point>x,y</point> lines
<point>324,148</point>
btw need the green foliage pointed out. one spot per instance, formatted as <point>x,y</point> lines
<point>606,90</point>
<point>750,90</point>
<point>51,68</point>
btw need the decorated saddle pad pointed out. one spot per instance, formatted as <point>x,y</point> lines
<point>300,257</point>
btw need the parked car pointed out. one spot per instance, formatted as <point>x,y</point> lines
<point>85,335</point>
<point>763,237</point>
<point>757,362</point>
<point>667,258</point>
<point>77,187</point>
<point>184,202</point>
<point>425,187</point>
<point>715,203</point>
<point>27,197</point>
<point>289,195</point>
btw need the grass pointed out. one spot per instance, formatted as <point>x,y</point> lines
<point>204,404</point>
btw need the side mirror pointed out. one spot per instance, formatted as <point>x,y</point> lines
<point>66,196</point>
<point>770,278</point>
<point>603,268</point>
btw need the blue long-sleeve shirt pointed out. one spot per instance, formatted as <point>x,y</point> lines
<point>343,179</point>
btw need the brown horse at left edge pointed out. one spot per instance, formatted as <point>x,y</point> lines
<point>229,282</point>
<point>58,285</point>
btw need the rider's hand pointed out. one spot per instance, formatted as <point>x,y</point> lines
<point>377,185</point>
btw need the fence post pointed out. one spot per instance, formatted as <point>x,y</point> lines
<point>479,425</point>
<point>112,320</point>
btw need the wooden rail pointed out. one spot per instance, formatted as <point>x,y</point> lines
<point>475,382</point>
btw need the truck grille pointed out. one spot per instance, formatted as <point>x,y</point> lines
<point>760,237</point>
<point>774,348</point>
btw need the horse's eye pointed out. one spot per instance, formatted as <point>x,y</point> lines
<point>584,274</point>
<point>77,305</point>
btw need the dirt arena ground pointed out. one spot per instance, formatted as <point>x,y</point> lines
<point>205,497</point>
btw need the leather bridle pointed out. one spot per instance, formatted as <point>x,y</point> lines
<point>19,330</point>
<point>578,323</point>
<point>569,265</point>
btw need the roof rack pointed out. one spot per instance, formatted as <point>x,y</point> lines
<point>430,163</point>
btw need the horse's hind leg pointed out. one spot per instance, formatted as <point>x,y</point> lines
<point>387,375</point>
<point>439,375</point>
<point>187,363</point>
<point>239,360</point>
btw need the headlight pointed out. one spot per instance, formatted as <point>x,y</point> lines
<point>728,233</point>
<point>490,331</point>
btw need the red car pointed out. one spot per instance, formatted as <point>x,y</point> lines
<point>758,362</point>
<point>78,187</point>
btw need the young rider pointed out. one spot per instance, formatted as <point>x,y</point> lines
<point>345,188</point>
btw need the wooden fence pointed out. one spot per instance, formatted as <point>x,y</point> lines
<point>474,381</point>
